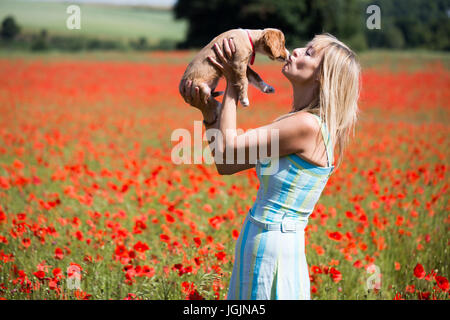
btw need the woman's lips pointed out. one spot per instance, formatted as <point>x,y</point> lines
<point>288,60</point>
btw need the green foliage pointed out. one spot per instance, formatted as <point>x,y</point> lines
<point>412,24</point>
<point>40,42</point>
<point>404,23</point>
<point>10,29</point>
<point>299,20</point>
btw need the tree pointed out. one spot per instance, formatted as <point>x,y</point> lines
<point>404,23</point>
<point>300,20</point>
<point>10,29</point>
<point>412,24</point>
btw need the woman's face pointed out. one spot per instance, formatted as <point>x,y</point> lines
<point>302,65</point>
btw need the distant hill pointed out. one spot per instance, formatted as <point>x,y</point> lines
<point>97,20</point>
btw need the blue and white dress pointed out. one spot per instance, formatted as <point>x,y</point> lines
<point>270,261</point>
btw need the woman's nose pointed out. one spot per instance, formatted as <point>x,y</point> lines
<point>296,52</point>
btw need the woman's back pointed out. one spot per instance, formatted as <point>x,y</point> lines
<point>292,186</point>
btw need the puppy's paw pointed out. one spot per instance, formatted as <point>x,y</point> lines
<point>245,102</point>
<point>266,88</point>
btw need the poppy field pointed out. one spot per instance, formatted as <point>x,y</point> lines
<point>92,206</point>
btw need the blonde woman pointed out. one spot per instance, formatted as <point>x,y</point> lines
<point>270,260</point>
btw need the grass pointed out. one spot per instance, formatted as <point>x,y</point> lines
<point>389,60</point>
<point>87,119</point>
<point>102,21</point>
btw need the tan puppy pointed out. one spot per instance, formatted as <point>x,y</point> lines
<point>204,75</point>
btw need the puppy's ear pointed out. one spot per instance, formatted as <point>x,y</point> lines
<point>274,44</point>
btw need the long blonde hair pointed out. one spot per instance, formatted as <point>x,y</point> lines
<point>339,89</point>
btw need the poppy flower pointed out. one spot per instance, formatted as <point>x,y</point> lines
<point>337,236</point>
<point>26,242</point>
<point>59,254</point>
<point>442,283</point>
<point>335,274</point>
<point>141,247</point>
<point>419,271</point>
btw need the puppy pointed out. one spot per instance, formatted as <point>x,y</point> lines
<point>204,75</point>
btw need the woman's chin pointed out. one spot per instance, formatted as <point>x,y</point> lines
<point>285,71</point>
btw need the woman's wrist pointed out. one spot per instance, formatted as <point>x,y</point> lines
<point>232,90</point>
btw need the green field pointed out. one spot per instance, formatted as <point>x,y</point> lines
<point>102,21</point>
<point>377,59</point>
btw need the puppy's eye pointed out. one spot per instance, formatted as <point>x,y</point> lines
<point>308,52</point>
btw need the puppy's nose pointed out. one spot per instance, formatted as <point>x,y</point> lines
<point>287,55</point>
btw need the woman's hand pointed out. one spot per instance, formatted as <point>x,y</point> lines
<point>226,61</point>
<point>192,96</point>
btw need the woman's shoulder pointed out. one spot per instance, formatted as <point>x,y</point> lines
<point>303,118</point>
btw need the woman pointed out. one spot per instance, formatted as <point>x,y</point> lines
<point>270,260</point>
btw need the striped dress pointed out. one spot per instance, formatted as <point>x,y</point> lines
<point>270,261</point>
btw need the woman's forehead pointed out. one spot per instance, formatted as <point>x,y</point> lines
<point>316,44</point>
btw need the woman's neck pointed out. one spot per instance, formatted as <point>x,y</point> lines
<point>303,96</point>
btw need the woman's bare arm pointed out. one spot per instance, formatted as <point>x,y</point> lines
<point>235,152</point>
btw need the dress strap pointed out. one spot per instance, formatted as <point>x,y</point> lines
<point>326,139</point>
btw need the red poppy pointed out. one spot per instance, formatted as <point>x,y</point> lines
<point>398,296</point>
<point>197,241</point>
<point>410,288</point>
<point>2,216</point>
<point>419,271</point>
<point>316,269</point>
<point>58,273</point>
<point>26,242</point>
<point>337,236</point>
<point>59,254</point>
<point>194,295</point>
<point>141,247</point>
<point>220,256</point>
<point>442,283</point>
<point>207,208</point>
<point>423,295</point>
<point>335,275</point>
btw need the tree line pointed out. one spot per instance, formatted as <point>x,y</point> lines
<point>404,24</point>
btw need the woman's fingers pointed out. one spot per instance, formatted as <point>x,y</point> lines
<point>219,53</point>
<point>195,97</point>
<point>232,46</point>
<point>187,91</point>
<point>192,93</point>
<point>215,63</point>
<point>227,49</point>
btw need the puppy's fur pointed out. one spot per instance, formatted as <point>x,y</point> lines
<point>203,74</point>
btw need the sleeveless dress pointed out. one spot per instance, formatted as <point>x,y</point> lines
<point>270,261</point>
